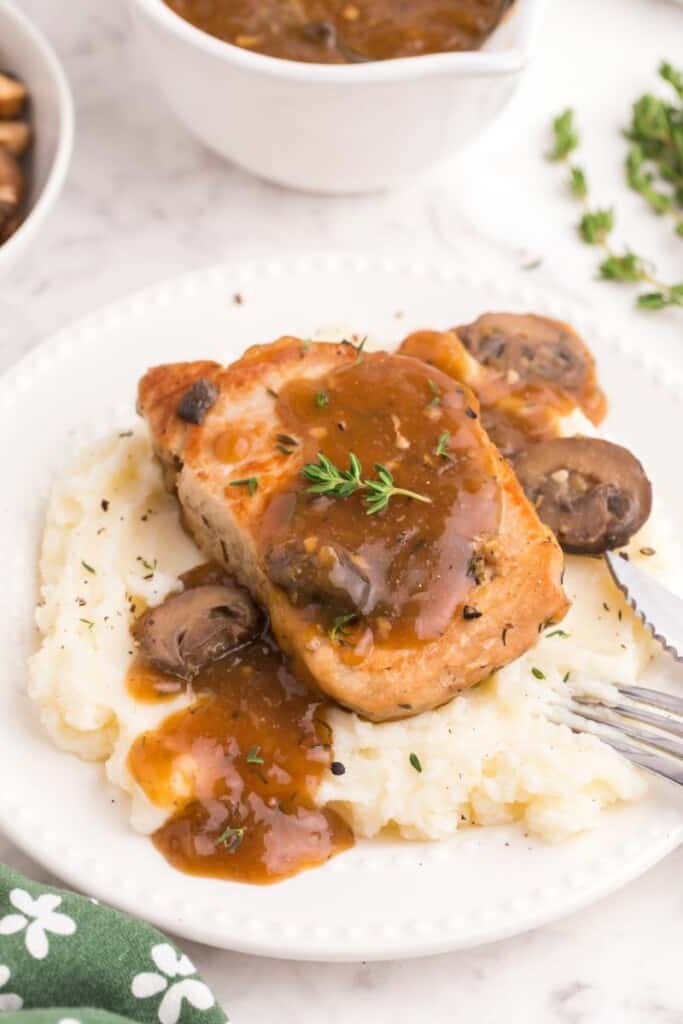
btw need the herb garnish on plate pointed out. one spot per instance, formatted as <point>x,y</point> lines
<point>653,167</point>
<point>328,479</point>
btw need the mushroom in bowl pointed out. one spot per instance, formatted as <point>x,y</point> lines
<point>333,128</point>
<point>33,86</point>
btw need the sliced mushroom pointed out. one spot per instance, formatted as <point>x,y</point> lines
<point>11,194</point>
<point>312,573</point>
<point>15,136</point>
<point>534,348</point>
<point>594,495</point>
<point>196,627</point>
<point>12,96</point>
<point>197,401</point>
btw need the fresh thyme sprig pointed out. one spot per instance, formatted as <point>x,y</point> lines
<point>654,163</point>
<point>326,478</point>
<point>597,223</point>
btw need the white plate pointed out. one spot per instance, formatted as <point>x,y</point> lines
<point>382,899</point>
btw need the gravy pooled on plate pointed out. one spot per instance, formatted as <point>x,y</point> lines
<point>345,31</point>
<point>239,767</point>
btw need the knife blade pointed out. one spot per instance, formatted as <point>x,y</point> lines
<point>660,610</point>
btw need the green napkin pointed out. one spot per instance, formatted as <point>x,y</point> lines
<point>66,959</point>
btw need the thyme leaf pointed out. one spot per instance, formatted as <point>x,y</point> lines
<point>595,226</point>
<point>232,838</point>
<point>338,628</point>
<point>250,482</point>
<point>442,446</point>
<point>565,137</point>
<point>436,392</point>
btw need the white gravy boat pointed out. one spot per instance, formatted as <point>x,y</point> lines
<point>333,128</point>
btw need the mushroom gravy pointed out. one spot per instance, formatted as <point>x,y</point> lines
<point>345,31</point>
<point>239,767</point>
<point>532,371</point>
<point>398,576</point>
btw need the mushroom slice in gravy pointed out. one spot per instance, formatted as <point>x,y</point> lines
<point>535,350</point>
<point>198,626</point>
<point>238,768</point>
<point>594,495</point>
<point>311,571</point>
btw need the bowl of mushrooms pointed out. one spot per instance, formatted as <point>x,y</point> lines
<point>36,132</point>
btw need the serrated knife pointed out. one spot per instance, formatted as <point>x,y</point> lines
<point>660,610</point>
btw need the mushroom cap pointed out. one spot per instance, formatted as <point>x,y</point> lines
<point>326,574</point>
<point>539,351</point>
<point>198,626</point>
<point>594,495</point>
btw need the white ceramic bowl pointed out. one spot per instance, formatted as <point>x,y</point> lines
<point>25,52</point>
<point>332,128</point>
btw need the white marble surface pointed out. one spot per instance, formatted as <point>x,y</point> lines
<point>144,202</point>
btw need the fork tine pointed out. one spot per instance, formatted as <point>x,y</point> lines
<point>646,754</point>
<point>607,716</point>
<point>638,713</point>
<point>665,701</point>
<point>660,764</point>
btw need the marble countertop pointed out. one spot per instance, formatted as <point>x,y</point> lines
<point>144,202</point>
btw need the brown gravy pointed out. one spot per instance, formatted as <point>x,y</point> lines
<point>239,768</point>
<point>514,412</point>
<point>345,31</point>
<point>391,411</point>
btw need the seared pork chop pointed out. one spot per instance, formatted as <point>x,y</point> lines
<point>391,607</point>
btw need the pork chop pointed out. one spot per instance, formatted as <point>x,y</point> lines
<point>415,569</point>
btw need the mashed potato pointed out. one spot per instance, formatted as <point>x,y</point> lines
<point>113,544</point>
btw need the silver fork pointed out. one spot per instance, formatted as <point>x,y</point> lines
<point>646,726</point>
